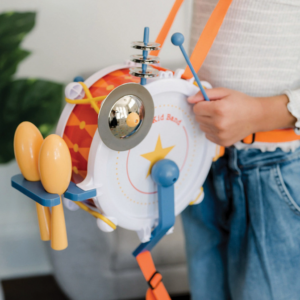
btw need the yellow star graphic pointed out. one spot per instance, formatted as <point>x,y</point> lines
<point>156,155</point>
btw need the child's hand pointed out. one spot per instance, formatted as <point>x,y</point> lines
<point>230,116</point>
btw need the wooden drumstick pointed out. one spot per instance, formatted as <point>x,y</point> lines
<point>27,144</point>
<point>55,167</point>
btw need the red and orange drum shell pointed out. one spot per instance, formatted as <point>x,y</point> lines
<point>83,122</point>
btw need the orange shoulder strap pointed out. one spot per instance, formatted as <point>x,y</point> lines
<point>167,26</point>
<point>157,290</point>
<point>207,37</point>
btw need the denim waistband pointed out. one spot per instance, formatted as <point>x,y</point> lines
<point>252,158</point>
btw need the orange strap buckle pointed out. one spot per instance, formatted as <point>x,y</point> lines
<point>155,280</point>
<point>250,139</point>
<point>157,290</point>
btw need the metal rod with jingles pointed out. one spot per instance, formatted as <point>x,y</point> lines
<point>145,72</point>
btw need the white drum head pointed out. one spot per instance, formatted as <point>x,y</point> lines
<point>125,189</point>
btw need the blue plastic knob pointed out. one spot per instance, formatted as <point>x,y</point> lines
<point>78,79</point>
<point>177,39</point>
<point>165,172</point>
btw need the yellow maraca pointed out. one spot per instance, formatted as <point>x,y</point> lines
<point>27,144</point>
<point>55,167</point>
<point>132,119</point>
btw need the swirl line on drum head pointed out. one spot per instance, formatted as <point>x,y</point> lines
<point>187,148</point>
<point>147,193</point>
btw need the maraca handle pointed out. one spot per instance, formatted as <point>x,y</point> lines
<point>59,240</point>
<point>43,214</point>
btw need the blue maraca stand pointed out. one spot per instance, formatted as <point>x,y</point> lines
<point>35,191</point>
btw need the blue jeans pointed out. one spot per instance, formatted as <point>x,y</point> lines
<point>243,240</point>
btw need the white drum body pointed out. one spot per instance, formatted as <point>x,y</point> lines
<point>126,193</point>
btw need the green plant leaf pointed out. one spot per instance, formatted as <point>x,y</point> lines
<point>9,63</point>
<point>36,101</point>
<point>13,28</point>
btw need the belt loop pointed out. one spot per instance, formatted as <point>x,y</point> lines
<point>233,159</point>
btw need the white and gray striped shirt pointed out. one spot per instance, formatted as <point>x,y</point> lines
<point>257,50</point>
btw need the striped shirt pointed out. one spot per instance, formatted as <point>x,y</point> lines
<point>257,51</point>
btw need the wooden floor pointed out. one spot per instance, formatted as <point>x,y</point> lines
<point>41,288</point>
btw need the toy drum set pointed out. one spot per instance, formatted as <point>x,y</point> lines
<point>127,149</point>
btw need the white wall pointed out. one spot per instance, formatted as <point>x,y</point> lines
<point>82,36</point>
<point>72,37</point>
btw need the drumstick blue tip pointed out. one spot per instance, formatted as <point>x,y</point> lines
<point>177,39</point>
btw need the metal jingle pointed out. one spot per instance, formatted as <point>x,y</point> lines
<point>149,47</point>
<point>138,72</point>
<point>125,101</point>
<point>138,58</point>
